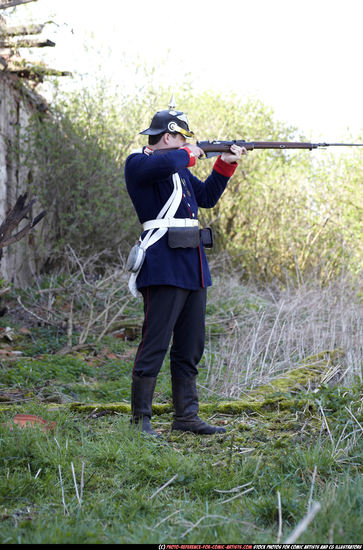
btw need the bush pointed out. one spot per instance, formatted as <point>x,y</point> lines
<point>284,214</point>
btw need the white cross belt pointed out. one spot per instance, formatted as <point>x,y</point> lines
<point>169,222</point>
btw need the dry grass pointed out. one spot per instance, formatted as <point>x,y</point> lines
<point>264,332</point>
<point>253,333</point>
<point>78,299</point>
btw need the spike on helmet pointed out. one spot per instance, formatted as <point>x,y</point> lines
<point>173,122</point>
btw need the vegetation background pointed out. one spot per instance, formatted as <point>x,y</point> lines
<point>284,214</point>
<point>282,367</point>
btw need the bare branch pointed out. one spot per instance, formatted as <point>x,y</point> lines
<point>11,3</point>
<point>14,216</point>
<point>27,43</point>
<point>34,71</point>
<point>18,31</point>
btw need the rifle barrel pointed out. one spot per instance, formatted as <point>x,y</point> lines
<point>211,148</point>
<point>339,144</point>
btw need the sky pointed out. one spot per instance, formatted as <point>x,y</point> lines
<point>301,58</point>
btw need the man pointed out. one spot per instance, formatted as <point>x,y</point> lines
<point>169,264</point>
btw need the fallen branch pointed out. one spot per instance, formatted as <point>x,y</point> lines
<point>165,519</point>
<point>77,347</point>
<point>163,486</point>
<point>237,496</point>
<point>200,520</point>
<point>235,489</point>
<point>302,526</point>
<point>62,489</point>
<point>279,508</point>
<point>75,485</point>
<point>34,314</point>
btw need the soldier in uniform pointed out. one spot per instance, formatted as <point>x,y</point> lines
<point>169,265</point>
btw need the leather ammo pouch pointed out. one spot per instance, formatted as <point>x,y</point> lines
<point>189,237</point>
<point>183,237</point>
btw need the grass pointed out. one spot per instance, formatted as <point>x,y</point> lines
<point>122,471</point>
<point>294,435</point>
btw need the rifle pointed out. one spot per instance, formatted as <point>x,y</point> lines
<point>215,147</point>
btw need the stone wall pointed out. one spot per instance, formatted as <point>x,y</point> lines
<point>20,263</point>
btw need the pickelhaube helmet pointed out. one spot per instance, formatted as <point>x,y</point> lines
<point>170,120</point>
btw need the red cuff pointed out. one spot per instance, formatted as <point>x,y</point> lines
<point>224,168</point>
<point>192,159</point>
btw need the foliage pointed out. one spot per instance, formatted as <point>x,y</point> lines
<point>283,214</point>
<point>78,159</point>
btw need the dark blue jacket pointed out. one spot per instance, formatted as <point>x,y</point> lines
<point>149,184</point>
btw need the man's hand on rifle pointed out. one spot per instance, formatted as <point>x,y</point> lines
<point>234,155</point>
<point>197,151</point>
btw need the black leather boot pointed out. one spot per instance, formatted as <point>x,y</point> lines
<point>142,391</point>
<point>185,399</point>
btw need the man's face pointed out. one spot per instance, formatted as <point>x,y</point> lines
<point>170,141</point>
<point>178,140</point>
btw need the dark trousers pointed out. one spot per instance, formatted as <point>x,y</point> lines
<point>171,312</point>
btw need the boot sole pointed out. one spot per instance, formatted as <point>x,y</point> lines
<point>199,432</point>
